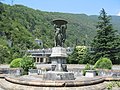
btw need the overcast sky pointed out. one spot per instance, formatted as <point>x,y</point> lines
<point>89,7</point>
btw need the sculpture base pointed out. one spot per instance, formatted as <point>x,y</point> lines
<point>58,58</point>
<point>55,75</point>
<point>58,52</point>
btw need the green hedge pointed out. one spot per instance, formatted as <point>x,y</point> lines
<point>103,63</point>
<point>26,64</point>
<point>15,63</point>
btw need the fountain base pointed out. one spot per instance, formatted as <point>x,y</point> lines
<point>56,75</point>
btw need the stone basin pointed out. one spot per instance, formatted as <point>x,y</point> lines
<point>37,80</point>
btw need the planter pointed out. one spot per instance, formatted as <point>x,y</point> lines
<point>90,73</point>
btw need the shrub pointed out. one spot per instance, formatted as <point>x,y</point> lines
<point>15,63</point>
<point>87,67</point>
<point>103,63</point>
<point>113,84</point>
<point>26,63</point>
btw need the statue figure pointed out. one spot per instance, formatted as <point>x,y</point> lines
<point>60,34</point>
<point>63,28</point>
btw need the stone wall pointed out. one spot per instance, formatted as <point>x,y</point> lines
<point>12,71</point>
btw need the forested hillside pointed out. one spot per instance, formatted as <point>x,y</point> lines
<point>20,25</point>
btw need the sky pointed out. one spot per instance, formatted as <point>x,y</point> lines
<point>89,7</point>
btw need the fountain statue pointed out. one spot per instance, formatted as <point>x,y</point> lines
<point>58,56</point>
<point>60,32</point>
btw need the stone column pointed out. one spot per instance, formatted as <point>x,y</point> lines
<point>44,59</point>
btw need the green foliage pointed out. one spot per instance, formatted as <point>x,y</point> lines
<point>4,54</point>
<point>21,25</point>
<point>113,84</point>
<point>106,42</point>
<point>72,58</point>
<point>87,67</point>
<point>82,50</point>
<point>79,55</point>
<point>26,64</point>
<point>16,63</point>
<point>103,63</point>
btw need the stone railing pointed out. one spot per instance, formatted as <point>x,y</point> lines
<point>47,51</point>
<point>12,71</point>
<point>76,71</point>
<point>109,73</point>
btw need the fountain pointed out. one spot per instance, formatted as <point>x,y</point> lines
<point>58,56</point>
<point>58,78</point>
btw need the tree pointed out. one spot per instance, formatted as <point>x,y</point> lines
<point>72,59</point>
<point>105,43</point>
<point>26,63</point>
<point>82,51</point>
<point>4,54</point>
<point>78,56</point>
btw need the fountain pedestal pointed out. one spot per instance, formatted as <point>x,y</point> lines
<point>56,75</point>
<point>58,59</point>
<point>58,68</point>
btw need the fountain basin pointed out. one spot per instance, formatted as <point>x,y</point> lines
<point>37,81</point>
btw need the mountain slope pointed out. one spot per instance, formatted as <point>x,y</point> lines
<point>20,25</point>
<point>38,23</point>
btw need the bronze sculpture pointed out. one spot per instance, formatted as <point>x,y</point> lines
<point>60,32</point>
